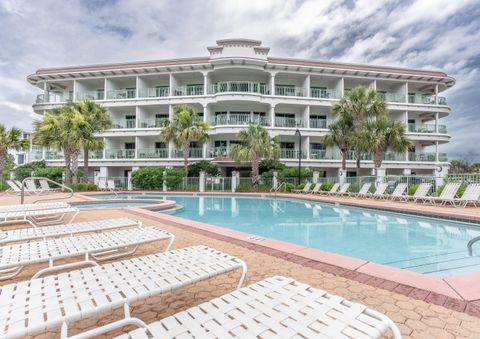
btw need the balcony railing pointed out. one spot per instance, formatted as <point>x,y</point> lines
<point>151,123</point>
<point>90,95</point>
<point>288,122</point>
<point>391,97</point>
<point>318,123</point>
<point>53,155</point>
<point>215,152</point>
<point>392,156</point>
<point>291,91</point>
<point>54,97</point>
<point>324,93</point>
<point>187,90</point>
<point>122,94</point>
<point>123,123</point>
<point>94,155</point>
<point>426,128</point>
<point>152,153</point>
<point>240,119</point>
<point>238,86</point>
<point>194,153</point>
<point>35,155</point>
<point>426,157</point>
<point>120,154</point>
<point>286,153</point>
<point>153,92</point>
<point>425,99</point>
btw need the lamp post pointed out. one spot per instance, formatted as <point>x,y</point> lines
<point>297,132</point>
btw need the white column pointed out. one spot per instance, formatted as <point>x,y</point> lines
<point>316,175</point>
<point>201,184</point>
<point>342,175</point>
<point>436,122</point>
<point>436,151</point>
<point>272,83</point>
<point>272,115</point>
<point>275,180</point>
<point>206,113</point>
<point>307,85</point>
<point>137,83</point>
<point>74,90</point>
<point>136,147</point>
<point>129,181</point>
<point>407,171</point>
<point>406,92</point>
<point>164,185</point>
<point>205,83</point>
<point>103,173</point>
<point>234,181</point>
<point>436,94</point>
<point>374,84</point>
<point>105,88</point>
<point>380,175</point>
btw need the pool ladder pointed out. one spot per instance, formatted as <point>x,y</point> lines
<point>470,244</point>
<point>276,189</point>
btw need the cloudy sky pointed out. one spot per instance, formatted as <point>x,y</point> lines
<point>435,34</point>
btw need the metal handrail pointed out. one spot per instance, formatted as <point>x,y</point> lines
<point>62,186</point>
<point>276,189</point>
<point>470,244</point>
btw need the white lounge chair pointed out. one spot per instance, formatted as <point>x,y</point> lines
<point>379,191</point>
<point>447,196</point>
<point>32,187</point>
<point>42,217</point>
<point>46,187</point>
<point>58,300</point>
<point>470,196</point>
<point>305,189</point>
<point>421,192</point>
<point>102,185</point>
<point>316,189</point>
<point>333,190</point>
<point>363,192</point>
<point>26,234</point>
<point>398,193</point>
<point>111,185</point>
<point>277,307</point>
<point>33,207</point>
<point>343,189</point>
<point>96,246</point>
<point>13,187</point>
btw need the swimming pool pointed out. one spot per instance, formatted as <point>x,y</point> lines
<point>426,245</point>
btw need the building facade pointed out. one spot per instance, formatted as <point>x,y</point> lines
<point>239,83</point>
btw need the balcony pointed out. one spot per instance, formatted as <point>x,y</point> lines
<point>318,123</point>
<point>152,153</point>
<point>290,91</point>
<point>288,122</point>
<point>151,123</point>
<point>120,154</point>
<point>392,156</point>
<point>187,90</point>
<point>424,99</point>
<point>53,155</point>
<point>54,97</point>
<point>324,93</point>
<point>90,95</point>
<point>426,128</point>
<point>127,93</point>
<point>391,97</point>
<point>123,123</point>
<point>220,151</point>
<point>194,153</point>
<point>427,157</point>
<point>238,86</point>
<point>286,153</point>
<point>156,92</point>
<point>35,155</point>
<point>239,119</point>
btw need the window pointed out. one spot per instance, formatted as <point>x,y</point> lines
<point>318,121</point>
<point>161,91</point>
<point>130,121</point>
<point>317,146</point>
<point>100,94</point>
<point>160,145</point>
<point>131,92</point>
<point>287,145</point>
<point>220,143</point>
<point>129,145</point>
<point>351,173</point>
<point>20,159</point>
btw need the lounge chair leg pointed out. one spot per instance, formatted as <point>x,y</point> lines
<point>15,271</point>
<point>95,332</point>
<point>52,268</point>
<point>244,274</point>
<point>120,252</point>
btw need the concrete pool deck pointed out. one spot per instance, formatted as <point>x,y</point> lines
<point>418,313</point>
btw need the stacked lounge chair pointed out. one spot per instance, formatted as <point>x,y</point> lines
<point>447,196</point>
<point>470,196</point>
<point>37,214</point>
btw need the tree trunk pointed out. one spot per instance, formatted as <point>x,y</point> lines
<point>344,159</point>
<point>3,157</point>
<point>186,154</point>
<point>357,157</point>
<point>377,161</point>
<point>68,176</point>
<point>74,166</point>
<point>85,164</point>
<point>255,171</point>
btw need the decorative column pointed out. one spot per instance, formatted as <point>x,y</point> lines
<point>436,151</point>
<point>272,83</point>
<point>201,184</point>
<point>436,122</point>
<point>129,181</point>
<point>342,176</point>
<point>234,181</point>
<point>275,180</point>
<point>272,115</point>
<point>316,175</point>
<point>436,94</point>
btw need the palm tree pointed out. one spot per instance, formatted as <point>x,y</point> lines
<point>183,129</point>
<point>381,135</point>
<point>255,145</point>
<point>358,105</point>
<point>98,120</point>
<point>341,135</point>
<point>10,139</point>
<point>63,128</point>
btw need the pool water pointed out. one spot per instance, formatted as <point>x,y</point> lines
<point>426,245</point>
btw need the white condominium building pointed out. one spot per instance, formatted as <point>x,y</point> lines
<point>239,83</point>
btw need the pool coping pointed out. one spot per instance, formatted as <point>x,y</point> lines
<point>459,293</point>
<point>159,205</point>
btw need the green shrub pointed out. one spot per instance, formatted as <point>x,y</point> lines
<point>289,187</point>
<point>91,187</point>
<point>251,188</point>
<point>173,177</point>
<point>203,165</point>
<point>3,186</point>
<point>326,186</point>
<point>82,187</point>
<point>300,186</point>
<point>269,165</point>
<point>52,173</point>
<point>25,171</point>
<point>412,189</point>
<point>148,178</point>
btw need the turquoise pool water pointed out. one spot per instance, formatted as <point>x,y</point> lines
<point>425,245</point>
<point>113,204</point>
